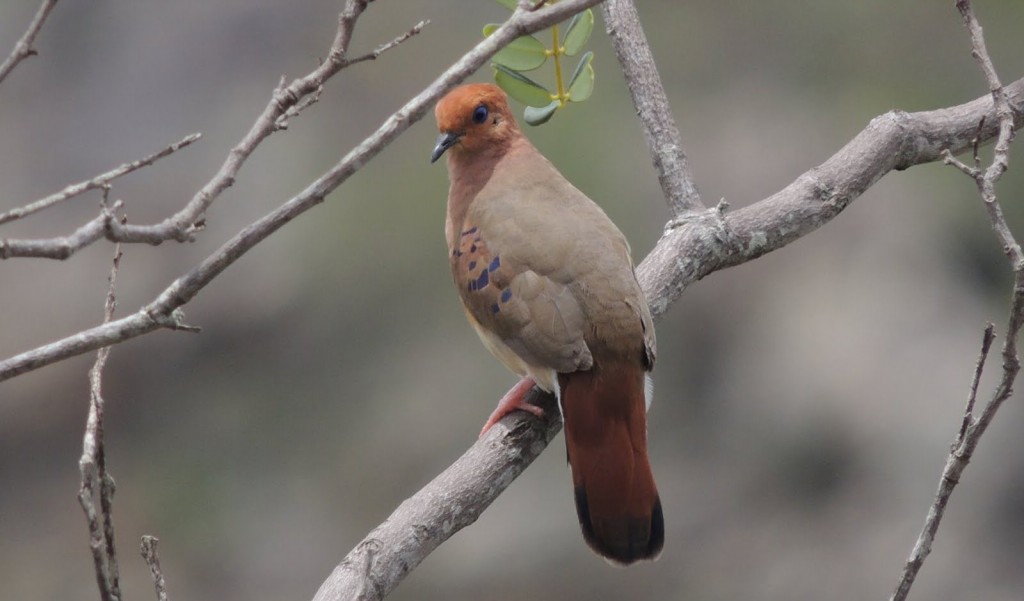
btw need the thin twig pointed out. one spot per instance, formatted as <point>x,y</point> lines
<point>986,344</point>
<point>977,142</point>
<point>95,183</point>
<point>152,558</point>
<point>379,50</point>
<point>96,483</point>
<point>311,99</point>
<point>971,172</point>
<point>23,48</point>
<point>971,429</point>
<point>180,225</point>
<point>1001,152</point>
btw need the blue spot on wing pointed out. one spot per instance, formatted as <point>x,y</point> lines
<point>494,264</point>
<point>495,308</point>
<point>480,283</point>
<point>505,295</point>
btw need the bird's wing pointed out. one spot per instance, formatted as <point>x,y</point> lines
<point>532,311</point>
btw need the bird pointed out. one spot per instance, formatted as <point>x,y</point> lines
<point>548,283</point>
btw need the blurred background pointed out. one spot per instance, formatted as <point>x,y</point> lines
<point>805,402</point>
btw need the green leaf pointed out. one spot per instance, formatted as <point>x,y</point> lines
<point>509,4</point>
<point>525,53</point>
<point>582,83</point>
<point>521,87</point>
<point>578,32</point>
<point>540,116</point>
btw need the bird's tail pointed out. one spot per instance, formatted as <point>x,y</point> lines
<point>606,439</point>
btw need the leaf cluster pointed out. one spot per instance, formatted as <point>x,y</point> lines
<point>528,53</point>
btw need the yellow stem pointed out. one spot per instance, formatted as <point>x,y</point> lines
<point>556,53</point>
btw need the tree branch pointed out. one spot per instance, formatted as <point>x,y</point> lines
<point>149,553</point>
<point>23,48</point>
<point>972,429</point>
<point>97,182</point>
<point>697,245</point>
<point>663,140</point>
<point>97,486</point>
<point>379,50</point>
<point>286,102</point>
<point>449,503</point>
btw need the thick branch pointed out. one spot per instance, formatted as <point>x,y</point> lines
<point>23,48</point>
<point>695,246</point>
<point>163,311</point>
<point>449,503</point>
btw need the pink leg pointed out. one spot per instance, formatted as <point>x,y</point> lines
<point>513,399</point>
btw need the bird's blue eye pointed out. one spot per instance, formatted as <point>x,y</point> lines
<point>480,114</point>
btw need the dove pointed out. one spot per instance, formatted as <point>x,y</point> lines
<point>547,281</point>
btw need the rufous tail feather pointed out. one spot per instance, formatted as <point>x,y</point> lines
<point>606,438</point>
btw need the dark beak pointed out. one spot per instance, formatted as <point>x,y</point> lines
<point>444,142</point>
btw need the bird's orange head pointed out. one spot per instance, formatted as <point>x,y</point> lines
<point>473,118</point>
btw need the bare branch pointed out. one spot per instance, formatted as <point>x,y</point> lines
<point>180,225</point>
<point>379,50</point>
<point>663,139</point>
<point>23,48</point>
<point>97,182</point>
<point>149,554</point>
<point>286,102</point>
<point>1001,153</point>
<point>695,246</point>
<point>96,483</point>
<point>971,430</point>
<point>971,172</point>
<point>163,312</point>
<point>311,99</point>
<point>449,503</point>
<point>986,345</point>
<point>56,248</point>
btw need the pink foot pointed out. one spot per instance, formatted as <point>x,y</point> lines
<point>513,399</point>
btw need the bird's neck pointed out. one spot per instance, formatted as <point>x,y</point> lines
<point>469,172</point>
